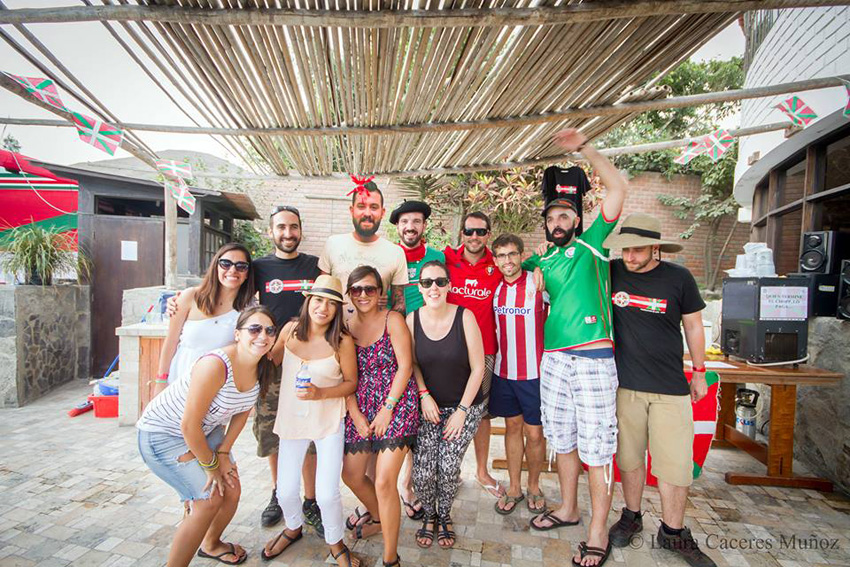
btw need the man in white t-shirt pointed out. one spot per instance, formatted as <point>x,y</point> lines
<point>365,247</point>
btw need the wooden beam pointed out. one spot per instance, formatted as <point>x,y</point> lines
<point>509,122</point>
<point>477,17</point>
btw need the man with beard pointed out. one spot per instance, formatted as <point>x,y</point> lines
<point>578,376</point>
<point>474,278</point>
<point>411,220</point>
<point>365,247</point>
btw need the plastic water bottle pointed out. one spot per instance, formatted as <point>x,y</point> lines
<point>302,380</point>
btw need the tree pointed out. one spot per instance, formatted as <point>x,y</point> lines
<point>715,201</point>
<point>11,143</point>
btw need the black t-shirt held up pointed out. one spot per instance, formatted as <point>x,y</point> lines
<point>648,309</point>
<point>280,283</point>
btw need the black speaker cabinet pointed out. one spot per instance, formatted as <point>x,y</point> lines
<point>821,252</point>
<point>765,319</point>
<point>823,293</point>
<point>843,310</point>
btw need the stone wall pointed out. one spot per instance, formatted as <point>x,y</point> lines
<point>45,337</point>
<point>822,436</point>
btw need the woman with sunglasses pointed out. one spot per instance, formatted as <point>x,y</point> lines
<point>383,414</point>
<point>206,314</point>
<point>319,372</point>
<point>182,436</point>
<point>448,362</point>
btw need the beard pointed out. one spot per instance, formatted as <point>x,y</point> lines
<point>562,238</point>
<point>285,247</point>
<point>411,238</point>
<point>367,232</point>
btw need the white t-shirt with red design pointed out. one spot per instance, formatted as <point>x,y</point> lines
<point>520,315</point>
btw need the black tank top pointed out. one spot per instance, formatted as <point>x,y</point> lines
<point>444,363</point>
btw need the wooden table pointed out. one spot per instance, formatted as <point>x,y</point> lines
<point>778,453</point>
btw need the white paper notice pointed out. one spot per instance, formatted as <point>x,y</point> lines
<point>780,303</point>
<point>129,250</point>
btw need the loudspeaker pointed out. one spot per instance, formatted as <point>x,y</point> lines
<point>823,293</point>
<point>843,311</point>
<point>821,252</point>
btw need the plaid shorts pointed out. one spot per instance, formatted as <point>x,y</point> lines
<point>578,399</point>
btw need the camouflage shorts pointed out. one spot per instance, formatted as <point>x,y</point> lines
<point>267,440</point>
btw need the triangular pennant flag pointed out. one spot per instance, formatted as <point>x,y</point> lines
<point>102,135</point>
<point>174,169</point>
<point>180,191</point>
<point>693,150</point>
<point>846,112</point>
<point>42,89</point>
<point>717,143</point>
<point>797,110</point>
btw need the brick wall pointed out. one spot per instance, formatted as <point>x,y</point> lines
<point>324,211</point>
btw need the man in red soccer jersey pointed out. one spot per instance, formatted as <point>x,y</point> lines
<point>515,391</point>
<point>474,278</point>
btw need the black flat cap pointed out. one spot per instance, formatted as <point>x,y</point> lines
<point>410,207</point>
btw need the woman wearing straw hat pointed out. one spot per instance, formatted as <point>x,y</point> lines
<point>319,371</point>
<point>652,299</point>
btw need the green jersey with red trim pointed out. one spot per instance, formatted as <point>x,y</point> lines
<point>578,280</point>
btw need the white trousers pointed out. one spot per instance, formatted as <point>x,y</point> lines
<point>290,459</point>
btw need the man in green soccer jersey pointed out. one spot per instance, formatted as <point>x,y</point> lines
<point>578,377</point>
<point>411,220</point>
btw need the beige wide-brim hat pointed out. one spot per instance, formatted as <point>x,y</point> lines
<point>326,286</point>
<point>640,229</point>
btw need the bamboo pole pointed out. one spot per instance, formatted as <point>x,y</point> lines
<point>621,109</point>
<point>475,17</point>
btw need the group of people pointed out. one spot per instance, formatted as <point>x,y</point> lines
<point>378,364</point>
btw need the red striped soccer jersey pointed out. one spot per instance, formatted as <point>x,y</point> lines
<point>520,315</point>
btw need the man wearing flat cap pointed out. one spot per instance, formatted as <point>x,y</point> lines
<point>652,298</point>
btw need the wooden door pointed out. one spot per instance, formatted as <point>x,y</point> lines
<point>127,252</point>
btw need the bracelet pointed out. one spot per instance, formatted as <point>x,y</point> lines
<point>463,408</point>
<point>222,452</point>
<point>210,466</point>
<point>163,376</point>
<point>423,390</point>
<point>160,381</point>
<point>700,369</point>
<point>393,400</point>
<point>423,396</point>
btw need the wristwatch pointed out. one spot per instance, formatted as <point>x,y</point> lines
<point>389,405</point>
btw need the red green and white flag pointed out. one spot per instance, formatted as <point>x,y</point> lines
<point>174,169</point>
<point>846,112</point>
<point>693,150</point>
<point>717,143</point>
<point>102,135</point>
<point>180,191</point>
<point>42,89</point>
<point>797,110</point>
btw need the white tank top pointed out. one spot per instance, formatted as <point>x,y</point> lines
<point>200,337</point>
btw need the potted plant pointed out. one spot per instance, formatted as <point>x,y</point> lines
<point>37,254</point>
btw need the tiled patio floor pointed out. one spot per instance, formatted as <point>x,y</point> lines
<point>75,492</point>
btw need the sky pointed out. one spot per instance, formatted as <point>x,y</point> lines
<point>95,58</point>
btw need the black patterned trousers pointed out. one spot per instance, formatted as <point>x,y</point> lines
<point>436,462</point>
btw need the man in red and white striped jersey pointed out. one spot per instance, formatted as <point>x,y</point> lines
<point>515,393</point>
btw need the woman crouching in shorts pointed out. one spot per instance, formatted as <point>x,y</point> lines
<point>182,436</point>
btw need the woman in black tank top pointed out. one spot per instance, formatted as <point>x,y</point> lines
<point>449,367</point>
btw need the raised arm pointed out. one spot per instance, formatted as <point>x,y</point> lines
<point>175,326</point>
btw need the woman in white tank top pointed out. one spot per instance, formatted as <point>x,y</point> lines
<point>182,436</point>
<point>206,314</point>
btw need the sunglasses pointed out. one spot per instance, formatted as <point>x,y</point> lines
<point>226,264</point>
<point>256,328</point>
<point>288,209</point>
<point>475,231</point>
<point>428,282</point>
<point>358,290</point>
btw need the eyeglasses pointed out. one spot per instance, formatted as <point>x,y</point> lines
<point>475,231</point>
<point>428,282</point>
<point>508,256</point>
<point>288,209</point>
<point>358,290</point>
<point>226,264</point>
<point>256,328</point>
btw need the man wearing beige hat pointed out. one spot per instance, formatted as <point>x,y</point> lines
<point>652,298</point>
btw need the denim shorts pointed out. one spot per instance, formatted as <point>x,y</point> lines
<point>160,452</point>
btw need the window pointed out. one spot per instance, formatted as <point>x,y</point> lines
<point>837,164</point>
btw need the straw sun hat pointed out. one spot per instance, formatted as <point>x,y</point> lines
<point>640,229</point>
<point>326,286</point>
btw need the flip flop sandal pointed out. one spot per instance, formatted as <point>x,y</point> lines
<point>350,525</point>
<point>205,555</point>
<point>425,533</point>
<point>345,551</point>
<point>358,529</point>
<point>536,498</point>
<point>411,511</point>
<point>586,550</point>
<point>500,490</point>
<point>396,563</point>
<point>292,540</point>
<point>445,533</point>
<point>554,522</point>
<point>508,500</point>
